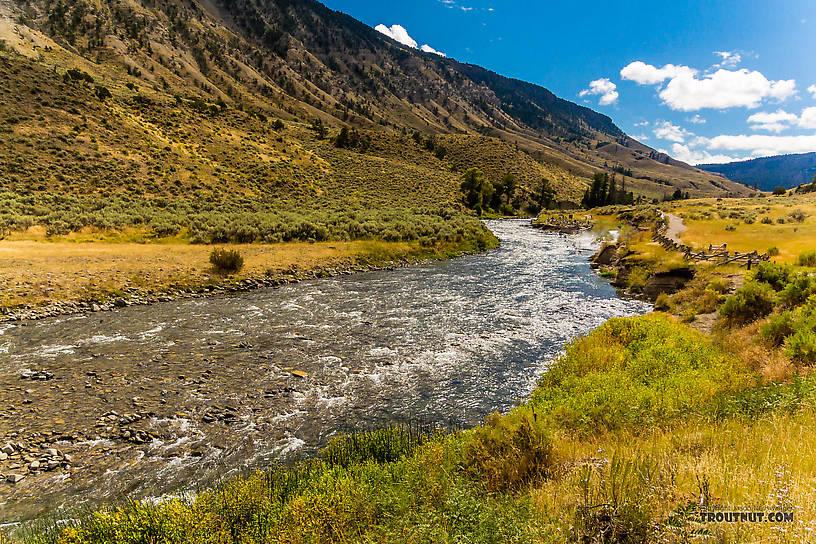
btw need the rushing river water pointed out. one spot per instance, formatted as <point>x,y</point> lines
<point>446,342</point>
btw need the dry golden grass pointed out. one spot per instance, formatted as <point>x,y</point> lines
<point>791,237</point>
<point>37,271</point>
<point>769,462</point>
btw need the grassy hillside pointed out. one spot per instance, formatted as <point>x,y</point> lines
<point>298,61</point>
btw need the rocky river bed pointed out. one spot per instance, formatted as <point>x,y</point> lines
<point>142,401</point>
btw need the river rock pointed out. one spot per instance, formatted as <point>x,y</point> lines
<point>300,374</point>
<point>7,449</point>
<point>14,478</point>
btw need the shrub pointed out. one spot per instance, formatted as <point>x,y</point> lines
<point>808,258</point>
<point>779,191</point>
<point>730,227</point>
<point>638,277</point>
<point>798,290</point>
<point>662,302</point>
<point>798,215</point>
<point>773,251</point>
<point>777,276</point>
<point>668,370</point>
<point>718,286</point>
<point>778,328</point>
<point>226,261</point>
<point>509,451</point>
<point>766,220</point>
<point>754,301</point>
<point>801,346</point>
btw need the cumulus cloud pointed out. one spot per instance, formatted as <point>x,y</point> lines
<point>399,34</point>
<point>812,90</point>
<point>603,88</point>
<point>724,89</point>
<point>772,122</point>
<point>684,153</point>
<point>646,74</point>
<point>763,145</point>
<point>428,49</point>
<point>808,118</point>
<point>781,120</point>
<point>688,90</point>
<point>697,120</point>
<point>667,131</point>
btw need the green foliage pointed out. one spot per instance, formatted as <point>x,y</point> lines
<point>614,504</point>
<point>380,446</point>
<point>477,190</point>
<point>633,372</point>
<point>605,192</point>
<point>779,191</point>
<point>226,261</point>
<point>753,301</point>
<point>801,346</point>
<point>808,258</point>
<point>772,251</point>
<point>509,451</point>
<point>775,275</point>
<point>799,288</point>
<point>778,327</point>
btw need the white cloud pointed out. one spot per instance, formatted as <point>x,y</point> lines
<point>667,131</point>
<point>696,156</point>
<point>812,90</point>
<point>399,34</point>
<point>772,122</point>
<point>724,89</point>
<point>763,145</point>
<point>730,59</point>
<point>603,88</point>
<point>782,120</point>
<point>646,74</point>
<point>642,124</point>
<point>686,90</point>
<point>428,49</point>
<point>697,120</point>
<point>808,118</point>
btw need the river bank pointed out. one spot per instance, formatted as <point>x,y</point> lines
<point>48,279</point>
<point>147,399</point>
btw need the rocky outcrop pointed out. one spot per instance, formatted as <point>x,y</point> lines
<point>668,282</point>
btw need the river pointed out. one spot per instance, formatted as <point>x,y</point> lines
<point>212,379</point>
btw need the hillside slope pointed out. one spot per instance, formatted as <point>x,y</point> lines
<point>196,86</point>
<point>767,173</point>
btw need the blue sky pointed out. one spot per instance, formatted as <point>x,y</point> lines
<point>702,80</point>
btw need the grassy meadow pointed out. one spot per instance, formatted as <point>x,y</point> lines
<point>787,223</point>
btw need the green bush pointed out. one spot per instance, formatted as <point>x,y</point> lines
<point>775,275</point>
<point>226,261</point>
<point>801,346</point>
<point>773,251</point>
<point>754,301</point>
<point>778,328</point>
<point>798,290</point>
<point>509,451</point>
<point>808,258</point>
<point>630,373</point>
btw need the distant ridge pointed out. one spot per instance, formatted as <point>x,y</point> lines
<point>767,173</point>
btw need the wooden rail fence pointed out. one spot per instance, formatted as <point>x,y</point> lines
<point>718,254</point>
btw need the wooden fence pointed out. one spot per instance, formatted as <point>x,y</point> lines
<point>717,254</point>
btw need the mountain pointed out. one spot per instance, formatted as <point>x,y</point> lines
<point>196,84</point>
<point>767,173</point>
